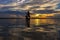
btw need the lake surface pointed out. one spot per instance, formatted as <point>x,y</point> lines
<point>11,26</point>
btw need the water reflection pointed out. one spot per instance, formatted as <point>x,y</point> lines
<point>42,21</point>
<point>37,21</point>
<point>46,25</point>
<point>32,21</point>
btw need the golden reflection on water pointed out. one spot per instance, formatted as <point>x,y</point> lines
<point>37,22</point>
<point>41,21</point>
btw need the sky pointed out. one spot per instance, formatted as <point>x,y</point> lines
<point>29,5</point>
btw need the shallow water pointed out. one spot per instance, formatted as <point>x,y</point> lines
<point>10,29</point>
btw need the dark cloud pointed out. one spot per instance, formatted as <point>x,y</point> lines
<point>43,11</point>
<point>35,2</point>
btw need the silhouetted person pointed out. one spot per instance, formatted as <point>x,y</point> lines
<point>28,19</point>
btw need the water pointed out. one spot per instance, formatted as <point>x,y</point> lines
<point>10,29</point>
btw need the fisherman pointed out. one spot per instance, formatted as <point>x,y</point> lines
<point>28,19</point>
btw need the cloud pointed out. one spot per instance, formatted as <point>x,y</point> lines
<point>43,5</point>
<point>30,4</point>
